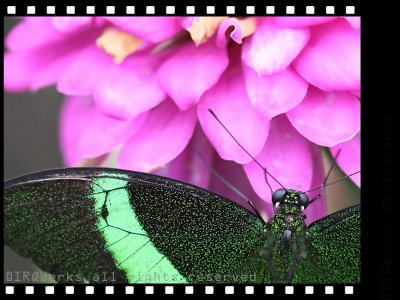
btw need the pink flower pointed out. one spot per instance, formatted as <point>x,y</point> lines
<point>141,87</point>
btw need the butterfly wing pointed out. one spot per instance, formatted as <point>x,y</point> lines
<point>105,225</point>
<point>333,249</point>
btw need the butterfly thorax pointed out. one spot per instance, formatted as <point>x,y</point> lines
<point>285,238</point>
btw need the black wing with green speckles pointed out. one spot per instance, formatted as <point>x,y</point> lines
<point>106,225</point>
<point>333,249</point>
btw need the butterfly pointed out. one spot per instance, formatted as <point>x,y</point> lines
<point>89,225</point>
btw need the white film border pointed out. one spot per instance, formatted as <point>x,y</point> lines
<point>159,289</point>
<point>171,10</point>
<point>181,10</point>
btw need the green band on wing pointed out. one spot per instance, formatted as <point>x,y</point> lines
<point>125,238</point>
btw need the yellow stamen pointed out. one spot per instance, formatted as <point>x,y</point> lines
<point>118,43</point>
<point>248,26</point>
<point>204,27</point>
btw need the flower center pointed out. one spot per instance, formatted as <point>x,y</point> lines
<point>248,26</point>
<point>118,43</point>
<point>204,28</point>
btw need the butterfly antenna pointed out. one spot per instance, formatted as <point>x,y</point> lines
<point>333,182</point>
<point>326,177</point>
<point>248,153</point>
<point>324,184</point>
<point>266,180</point>
<point>228,184</point>
<point>331,168</point>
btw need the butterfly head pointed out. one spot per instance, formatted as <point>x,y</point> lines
<point>289,218</point>
<point>289,201</point>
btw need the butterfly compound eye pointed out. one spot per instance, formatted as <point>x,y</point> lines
<point>304,200</point>
<point>278,196</point>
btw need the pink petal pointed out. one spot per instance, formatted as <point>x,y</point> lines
<point>86,133</point>
<point>287,156</point>
<point>162,138</point>
<point>235,33</point>
<point>301,21</point>
<point>228,99</point>
<point>331,60</point>
<point>349,158</point>
<point>192,71</point>
<point>94,62</point>
<point>272,48</point>
<point>317,209</point>
<point>99,22</point>
<point>186,22</point>
<point>130,88</point>
<point>327,119</point>
<point>71,24</point>
<point>44,65</point>
<point>33,33</point>
<point>188,166</point>
<point>152,29</point>
<point>33,70</point>
<point>274,94</point>
<point>50,74</point>
<point>357,93</point>
<point>235,175</point>
<point>354,21</point>
<point>19,69</point>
